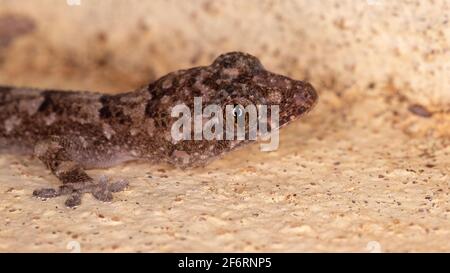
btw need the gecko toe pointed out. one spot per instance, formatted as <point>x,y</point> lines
<point>104,190</point>
<point>101,191</point>
<point>102,194</point>
<point>46,193</point>
<point>73,200</point>
<point>118,186</point>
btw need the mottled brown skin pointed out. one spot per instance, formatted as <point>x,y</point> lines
<point>74,131</point>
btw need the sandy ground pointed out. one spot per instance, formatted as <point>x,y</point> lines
<point>360,173</point>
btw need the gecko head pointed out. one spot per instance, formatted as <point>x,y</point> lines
<point>237,80</point>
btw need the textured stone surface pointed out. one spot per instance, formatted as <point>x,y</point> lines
<point>360,173</point>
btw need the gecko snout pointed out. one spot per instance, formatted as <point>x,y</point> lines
<point>297,100</point>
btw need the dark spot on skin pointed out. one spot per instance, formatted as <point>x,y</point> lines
<point>46,104</point>
<point>49,104</point>
<point>105,112</point>
<point>13,26</point>
<point>148,109</point>
<point>420,110</point>
<point>152,105</point>
<point>112,108</point>
<point>104,99</point>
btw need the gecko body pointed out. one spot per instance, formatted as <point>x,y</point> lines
<point>72,131</point>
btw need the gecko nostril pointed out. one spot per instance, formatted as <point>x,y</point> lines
<point>299,99</point>
<point>313,96</point>
<point>305,95</point>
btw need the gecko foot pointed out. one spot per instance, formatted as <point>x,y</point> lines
<point>103,191</point>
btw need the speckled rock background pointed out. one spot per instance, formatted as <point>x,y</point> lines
<point>362,172</point>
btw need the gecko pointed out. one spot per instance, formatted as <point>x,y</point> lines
<point>74,131</point>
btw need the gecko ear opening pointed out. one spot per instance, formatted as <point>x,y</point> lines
<point>239,60</point>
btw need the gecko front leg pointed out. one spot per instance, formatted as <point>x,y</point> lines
<point>54,154</point>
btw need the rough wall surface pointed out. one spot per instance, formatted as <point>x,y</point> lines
<point>360,173</point>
